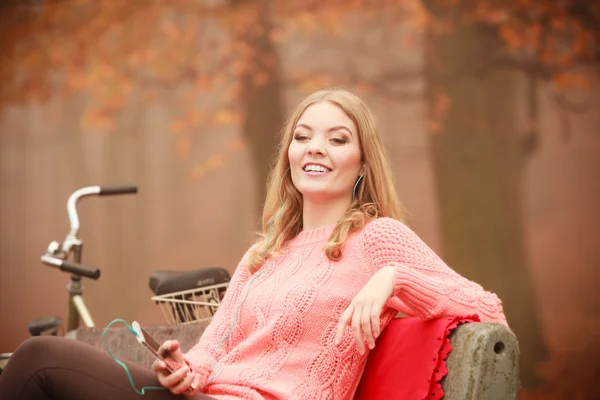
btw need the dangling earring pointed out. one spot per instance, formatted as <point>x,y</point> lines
<point>358,181</point>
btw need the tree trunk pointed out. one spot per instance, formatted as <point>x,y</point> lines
<point>478,163</point>
<point>262,104</point>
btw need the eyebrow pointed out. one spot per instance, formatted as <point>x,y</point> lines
<point>332,129</point>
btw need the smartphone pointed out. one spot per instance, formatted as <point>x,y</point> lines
<point>153,346</point>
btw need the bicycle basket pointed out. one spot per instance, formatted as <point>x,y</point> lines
<point>193,305</point>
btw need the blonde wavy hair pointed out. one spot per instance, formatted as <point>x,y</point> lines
<point>376,195</point>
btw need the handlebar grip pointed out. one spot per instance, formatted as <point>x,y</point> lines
<point>71,267</point>
<point>114,190</point>
<point>78,269</point>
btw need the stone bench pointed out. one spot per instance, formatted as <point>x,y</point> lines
<point>483,363</point>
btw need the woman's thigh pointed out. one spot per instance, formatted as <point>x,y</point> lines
<point>48,367</point>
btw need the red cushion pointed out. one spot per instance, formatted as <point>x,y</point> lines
<point>408,360</point>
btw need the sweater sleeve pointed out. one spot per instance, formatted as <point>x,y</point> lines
<point>422,281</point>
<point>200,357</point>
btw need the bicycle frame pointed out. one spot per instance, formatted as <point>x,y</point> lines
<point>77,310</point>
<point>57,255</point>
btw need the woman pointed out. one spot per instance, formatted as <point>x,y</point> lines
<point>310,298</point>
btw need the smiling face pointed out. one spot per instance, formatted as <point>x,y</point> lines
<point>325,154</point>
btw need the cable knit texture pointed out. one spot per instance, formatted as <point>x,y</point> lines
<point>273,335</point>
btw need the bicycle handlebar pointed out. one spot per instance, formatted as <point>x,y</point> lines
<point>113,190</point>
<point>58,254</point>
<point>71,267</point>
<point>90,191</point>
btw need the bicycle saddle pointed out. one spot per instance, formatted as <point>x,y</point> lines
<point>163,282</point>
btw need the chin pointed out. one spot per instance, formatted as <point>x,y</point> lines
<point>314,190</point>
<point>320,196</point>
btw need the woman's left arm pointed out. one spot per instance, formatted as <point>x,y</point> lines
<point>421,280</point>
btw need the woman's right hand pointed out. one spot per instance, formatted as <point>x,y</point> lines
<point>183,380</point>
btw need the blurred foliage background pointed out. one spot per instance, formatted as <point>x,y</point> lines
<point>489,110</point>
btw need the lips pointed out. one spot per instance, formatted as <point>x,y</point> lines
<point>316,168</point>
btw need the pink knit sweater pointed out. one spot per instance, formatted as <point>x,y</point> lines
<point>281,341</point>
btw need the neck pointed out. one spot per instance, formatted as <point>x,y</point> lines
<point>316,215</point>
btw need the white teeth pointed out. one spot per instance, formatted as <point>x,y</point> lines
<point>316,168</point>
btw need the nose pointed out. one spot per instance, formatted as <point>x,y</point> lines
<point>316,147</point>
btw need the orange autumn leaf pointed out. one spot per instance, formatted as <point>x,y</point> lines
<point>558,23</point>
<point>225,117</point>
<point>434,127</point>
<point>235,144</point>
<point>151,96</point>
<point>511,36</point>
<point>195,116</point>
<point>179,125</point>
<point>197,172</point>
<point>497,16</point>
<point>275,35</point>
<point>240,67</point>
<point>200,170</point>
<point>441,104</point>
<point>297,74</point>
<point>189,96</point>
<point>215,161</point>
<point>408,42</point>
<point>364,87</point>
<point>98,118</point>
<point>183,145</point>
<point>333,27</point>
<point>76,81</point>
<point>307,85</point>
<point>115,102</point>
<point>231,93</point>
<point>578,46</point>
<point>219,78</point>
<point>203,83</point>
<point>307,21</point>
<point>260,78</point>
<point>571,80</point>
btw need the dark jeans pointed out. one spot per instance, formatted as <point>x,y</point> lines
<point>48,367</point>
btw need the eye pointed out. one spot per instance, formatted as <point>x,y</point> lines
<point>339,141</point>
<point>300,137</point>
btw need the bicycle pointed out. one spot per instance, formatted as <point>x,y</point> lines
<point>57,255</point>
<point>191,296</point>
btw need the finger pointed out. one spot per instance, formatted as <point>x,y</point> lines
<point>174,346</point>
<point>376,319</point>
<point>163,378</point>
<point>344,321</point>
<point>172,380</point>
<point>165,349</point>
<point>356,328</point>
<point>168,347</point>
<point>193,386</point>
<point>159,366</point>
<point>175,352</point>
<point>365,321</point>
<point>184,385</point>
<point>195,382</point>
